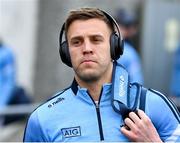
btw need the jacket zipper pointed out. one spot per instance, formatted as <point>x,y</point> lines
<point>98,116</point>
<point>99,122</point>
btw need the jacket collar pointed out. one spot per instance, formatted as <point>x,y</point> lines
<point>74,87</point>
<point>83,92</point>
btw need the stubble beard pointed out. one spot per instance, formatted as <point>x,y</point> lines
<point>87,77</point>
<point>90,76</point>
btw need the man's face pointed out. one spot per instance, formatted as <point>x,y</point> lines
<point>89,49</point>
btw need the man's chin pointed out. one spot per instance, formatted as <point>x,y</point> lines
<point>88,77</point>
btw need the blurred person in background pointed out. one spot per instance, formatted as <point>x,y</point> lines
<point>130,59</point>
<point>7,74</point>
<point>10,93</point>
<point>175,77</point>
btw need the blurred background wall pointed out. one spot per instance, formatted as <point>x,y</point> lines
<point>31,28</point>
<point>160,38</point>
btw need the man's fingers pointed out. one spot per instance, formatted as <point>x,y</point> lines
<point>128,133</point>
<point>141,128</point>
<point>125,131</point>
<point>141,114</point>
<point>134,117</point>
<point>129,123</point>
<point>144,117</point>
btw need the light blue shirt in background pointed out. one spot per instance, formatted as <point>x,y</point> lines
<point>131,61</point>
<point>175,81</point>
<point>7,75</point>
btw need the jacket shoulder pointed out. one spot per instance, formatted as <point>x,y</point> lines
<point>52,101</point>
<point>158,101</point>
<point>44,113</point>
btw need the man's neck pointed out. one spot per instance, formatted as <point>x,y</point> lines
<point>94,88</point>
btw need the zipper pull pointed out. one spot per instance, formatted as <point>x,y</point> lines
<point>97,104</point>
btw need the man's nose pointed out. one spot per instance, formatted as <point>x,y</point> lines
<point>87,47</point>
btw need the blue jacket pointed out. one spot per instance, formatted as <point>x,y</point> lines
<point>73,116</point>
<point>7,75</point>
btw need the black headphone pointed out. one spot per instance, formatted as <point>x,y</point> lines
<point>116,43</point>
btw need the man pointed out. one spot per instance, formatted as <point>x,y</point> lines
<point>83,112</point>
<point>130,59</point>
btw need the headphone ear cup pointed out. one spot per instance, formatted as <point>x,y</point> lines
<point>64,53</point>
<point>116,45</point>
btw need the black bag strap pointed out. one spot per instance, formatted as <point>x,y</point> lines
<point>142,103</point>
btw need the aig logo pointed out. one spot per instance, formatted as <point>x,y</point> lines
<point>71,132</point>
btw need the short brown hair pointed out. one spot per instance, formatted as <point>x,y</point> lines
<point>85,14</point>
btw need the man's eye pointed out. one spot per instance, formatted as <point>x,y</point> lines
<point>76,42</point>
<point>97,40</point>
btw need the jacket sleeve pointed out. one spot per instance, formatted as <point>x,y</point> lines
<point>33,131</point>
<point>164,116</point>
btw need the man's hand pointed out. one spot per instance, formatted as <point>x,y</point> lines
<point>140,128</point>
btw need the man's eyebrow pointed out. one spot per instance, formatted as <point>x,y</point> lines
<point>75,37</point>
<point>97,35</point>
<point>91,35</point>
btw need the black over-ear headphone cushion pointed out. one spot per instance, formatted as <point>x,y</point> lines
<point>64,54</point>
<point>116,48</point>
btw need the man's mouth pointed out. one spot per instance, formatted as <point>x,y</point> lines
<point>88,61</point>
